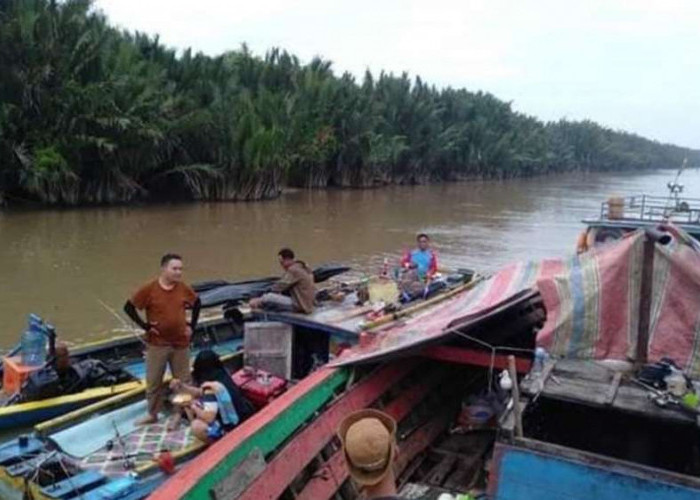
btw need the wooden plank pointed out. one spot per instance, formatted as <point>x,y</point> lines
<point>469,465</point>
<point>628,398</point>
<point>645,295</point>
<point>245,473</point>
<point>292,459</point>
<point>436,476</point>
<point>333,473</point>
<point>473,357</point>
<point>266,430</point>
<point>327,479</point>
<point>612,390</point>
<point>516,397</point>
<point>420,440</point>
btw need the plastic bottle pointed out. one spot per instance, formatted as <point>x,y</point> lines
<point>540,358</point>
<point>33,343</point>
<point>385,267</point>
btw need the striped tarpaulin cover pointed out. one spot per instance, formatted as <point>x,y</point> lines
<point>591,300</point>
<point>501,290</point>
<point>592,303</point>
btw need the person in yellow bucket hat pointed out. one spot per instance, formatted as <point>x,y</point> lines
<point>369,445</point>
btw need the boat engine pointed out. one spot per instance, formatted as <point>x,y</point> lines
<point>51,382</point>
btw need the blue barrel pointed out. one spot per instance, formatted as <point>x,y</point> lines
<point>33,342</point>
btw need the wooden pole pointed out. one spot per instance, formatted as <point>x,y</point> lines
<point>645,301</point>
<point>651,237</point>
<point>516,396</point>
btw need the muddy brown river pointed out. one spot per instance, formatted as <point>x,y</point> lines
<point>73,266</point>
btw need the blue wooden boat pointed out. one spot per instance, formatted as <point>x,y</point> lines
<point>123,357</point>
<point>588,433</point>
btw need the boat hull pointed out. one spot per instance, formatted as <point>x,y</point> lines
<point>27,414</point>
<point>125,352</point>
<point>525,473</point>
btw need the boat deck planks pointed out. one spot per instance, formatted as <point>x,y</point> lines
<point>590,383</point>
<point>319,486</point>
<point>299,452</point>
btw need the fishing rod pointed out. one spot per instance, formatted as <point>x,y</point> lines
<point>128,463</point>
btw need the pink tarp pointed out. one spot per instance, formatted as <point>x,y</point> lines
<point>592,305</point>
<point>509,286</point>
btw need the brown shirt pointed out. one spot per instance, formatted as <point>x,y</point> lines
<point>166,308</point>
<point>298,281</point>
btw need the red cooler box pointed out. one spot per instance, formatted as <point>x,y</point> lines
<point>259,386</point>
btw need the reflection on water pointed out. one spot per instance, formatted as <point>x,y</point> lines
<point>62,264</point>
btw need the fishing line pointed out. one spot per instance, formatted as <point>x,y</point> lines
<point>123,322</point>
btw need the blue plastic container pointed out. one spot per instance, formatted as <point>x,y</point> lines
<point>33,342</point>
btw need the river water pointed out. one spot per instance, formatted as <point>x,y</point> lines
<point>73,266</point>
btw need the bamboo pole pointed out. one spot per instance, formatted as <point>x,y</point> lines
<point>388,318</point>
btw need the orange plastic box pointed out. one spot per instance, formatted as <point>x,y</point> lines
<point>15,373</point>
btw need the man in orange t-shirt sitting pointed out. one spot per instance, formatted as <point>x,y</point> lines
<point>165,300</point>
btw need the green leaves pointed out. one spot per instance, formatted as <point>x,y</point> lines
<point>91,114</point>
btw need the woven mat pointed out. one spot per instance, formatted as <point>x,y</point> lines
<point>140,446</point>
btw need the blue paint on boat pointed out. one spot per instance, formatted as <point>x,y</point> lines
<point>30,417</point>
<point>136,369</point>
<point>11,451</point>
<point>525,475</point>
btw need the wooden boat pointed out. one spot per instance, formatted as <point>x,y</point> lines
<point>90,465</point>
<point>291,450</point>
<point>619,216</point>
<point>589,430</point>
<point>97,448</point>
<point>580,429</point>
<point>123,356</point>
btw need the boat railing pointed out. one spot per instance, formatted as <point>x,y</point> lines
<point>652,208</point>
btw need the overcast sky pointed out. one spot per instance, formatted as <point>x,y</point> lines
<point>628,65</point>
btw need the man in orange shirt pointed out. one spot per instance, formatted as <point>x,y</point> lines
<point>165,300</point>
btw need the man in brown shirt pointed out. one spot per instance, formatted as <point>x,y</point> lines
<point>294,292</point>
<point>165,300</point>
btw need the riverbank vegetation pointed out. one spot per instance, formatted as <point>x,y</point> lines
<point>93,114</point>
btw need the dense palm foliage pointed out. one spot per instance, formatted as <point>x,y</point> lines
<point>91,114</point>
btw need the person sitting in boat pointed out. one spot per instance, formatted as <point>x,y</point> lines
<point>294,292</point>
<point>368,438</point>
<point>423,259</point>
<point>418,268</point>
<point>218,404</point>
